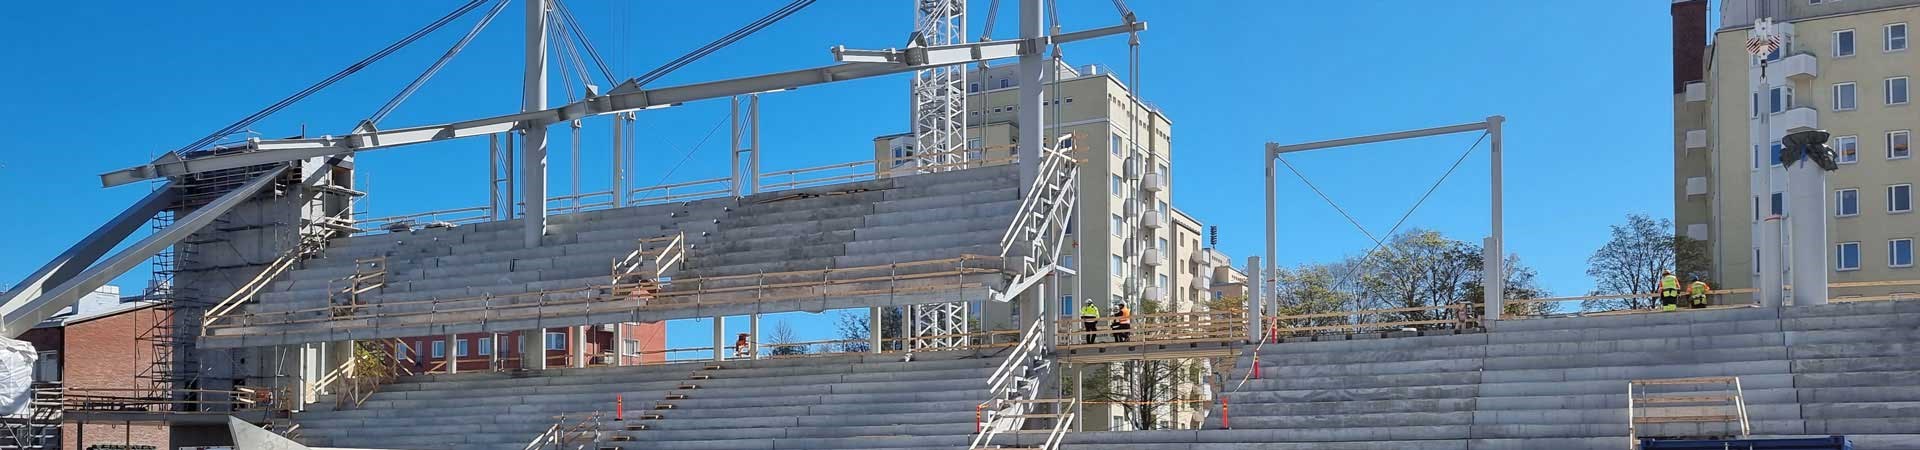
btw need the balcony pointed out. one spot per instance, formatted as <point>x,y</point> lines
<point>1155,293</point>
<point>1153,257</point>
<point>1798,67</point>
<point>1154,219</point>
<point>1696,186</point>
<point>1696,139</point>
<point>1133,209</point>
<point>1202,283</point>
<point>1154,182</point>
<point>1794,120</point>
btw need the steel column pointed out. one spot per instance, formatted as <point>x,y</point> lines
<point>533,168</point>
<point>1495,273</point>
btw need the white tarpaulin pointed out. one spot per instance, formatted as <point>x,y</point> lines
<point>16,376</point>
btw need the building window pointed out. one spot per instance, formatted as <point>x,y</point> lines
<point>1114,184</point>
<point>1898,144</point>
<point>1006,82</point>
<point>1843,43</point>
<point>1756,157</point>
<point>1846,257</point>
<point>1897,91</point>
<point>1900,253</point>
<point>1756,261</point>
<point>405,352</point>
<point>1773,158</point>
<point>46,369</point>
<point>1846,202</point>
<point>1163,282</point>
<point>556,340</point>
<point>439,349</point>
<point>1779,203</point>
<point>1756,208</point>
<point>1843,99</point>
<point>460,348</point>
<point>630,347</point>
<point>1119,226</point>
<point>1900,198</point>
<point>1848,148</point>
<point>1780,98</point>
<point>1896,37</point>
<point>973,87</point>
<point>486,346</point>
<point>1119,266</point>
<point>1756,104</point>
<point>1114,145</point>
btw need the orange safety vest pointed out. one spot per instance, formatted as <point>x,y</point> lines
<point>1124,316</point>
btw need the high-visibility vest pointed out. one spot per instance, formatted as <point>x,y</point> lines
<point>1669,283</point>
<point>1090,311</point>
<point>1699,288</point>
<point>1125,316</point>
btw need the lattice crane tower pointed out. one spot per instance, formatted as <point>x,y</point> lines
<point>940,140</point>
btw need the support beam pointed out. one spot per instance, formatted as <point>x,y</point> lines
<point>1383,137</point>
<point>720,338</point>
<point>580,345</point>
<point>1032,77</point>
<point>533,160</point>
<point>24,316</point>
<point>1257,275</point>
<point>753,341</point>
<point>90,248</point>
<point>453,353</point>
<point>626,97</point>
<point>533,349</point>
<point>876,323</point>
<point>1495,249</point>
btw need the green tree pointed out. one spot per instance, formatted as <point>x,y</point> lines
<point>1631,262</point>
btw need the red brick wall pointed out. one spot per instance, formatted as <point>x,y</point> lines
<point>1689,42</point>
<point>102,354</point>
<point>47,339</point>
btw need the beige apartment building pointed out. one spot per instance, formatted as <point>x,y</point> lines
<point>1131,245</point>
<point>1845,66</point>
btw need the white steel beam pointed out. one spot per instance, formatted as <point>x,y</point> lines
<point>89,249</point>
<point>23,316</point>
<point>627,97</point>
<point>533,146</point>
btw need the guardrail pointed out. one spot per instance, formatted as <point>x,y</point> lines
<point>568,436</point>
<point>1450,316</point>
<point>1156,328</point>
<point>1690,406</point>
<point>817,176</point>
<point>1653,297</point>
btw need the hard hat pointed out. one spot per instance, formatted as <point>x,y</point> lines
<point>1666,272</point>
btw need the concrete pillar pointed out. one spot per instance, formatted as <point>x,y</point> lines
<point>533,349</point>
<point>1495,249</point>
<point>580,339</point>
<point>753,336</point>
<point>1255,298</point>
<point>719,338</point>
<point>453,353</point>
<point>1807,214</point>
<point>1031,111</point>
<point>876,319</point>
<point>493,352</point>
<point>619,344</point>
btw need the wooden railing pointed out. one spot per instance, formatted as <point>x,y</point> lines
<point>1644,408</point>
<point>1725,301</point>
<point>1451,316</point>
<point>373,364</point>
<point>173,401</point>
<point>1156,328</point>
<point>309,246</point>
<point>680,293</point>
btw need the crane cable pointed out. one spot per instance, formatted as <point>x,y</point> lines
<point>438,64</point>
<point>566,17</point>
<point>245,122</point>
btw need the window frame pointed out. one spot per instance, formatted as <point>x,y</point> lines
<point>1840,256</point>
<point>1839,202</point>
<point>1902,187</point>
<point>484,346</point>
<point>547,341</point>
<point>460,348</point>
<point>1853,96</point>
<point>1773,153</point>
<point>1119,265</point>
<point>1891,254</point>
<point>1886,37</point>
<point>1906,91</point>
<point>1904,134</point>
<point>1842,155</point>
<point>438,349</point>
<point>1115,185</point>
<point>1851,40</point>
<point>1119,225</point>
<point>1780,103</point>
<point>634,343</point>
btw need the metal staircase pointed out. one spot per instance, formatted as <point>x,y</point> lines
<point>1039,227</point>
<point>1014,387</point>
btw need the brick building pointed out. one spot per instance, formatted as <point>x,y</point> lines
<point>94,346</point>
<point>479,351</point>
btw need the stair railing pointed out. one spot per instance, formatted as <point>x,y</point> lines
<point>568,436</point>
<point>311,244</point>
<point>1018,378</point>
<point>1041,221</point>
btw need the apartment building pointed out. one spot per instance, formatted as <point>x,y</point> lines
<point>1845,66</point>
<point>1126,227</point>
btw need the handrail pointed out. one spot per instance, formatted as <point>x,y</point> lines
<point>660,299</point>
<point>1062,424</point>
<point>793,180</point>
<point>561,435</point>
<point>1003,384</point>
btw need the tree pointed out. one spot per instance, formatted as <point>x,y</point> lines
<point>1631,262</point>
<point>783,339</point>
<point>853,329</point>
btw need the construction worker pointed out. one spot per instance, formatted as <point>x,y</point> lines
<point>743,346</point>
<point>1697,292</point>
<point>1089,321</point>
<point>1122,320</point>
<point>1669,291</point>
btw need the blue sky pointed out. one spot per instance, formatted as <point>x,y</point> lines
<point>1585,87</point>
